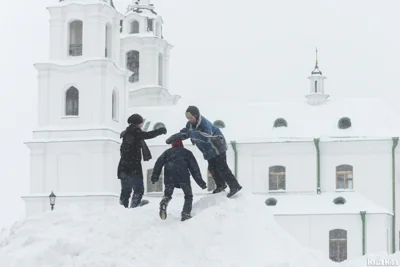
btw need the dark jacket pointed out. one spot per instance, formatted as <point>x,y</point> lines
<point>132,148</point>
<point>208,138</point>
<point>178,163</point>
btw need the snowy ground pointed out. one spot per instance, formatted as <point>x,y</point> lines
<point>236,232</point>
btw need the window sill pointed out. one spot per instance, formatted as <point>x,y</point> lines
<point>344,190</point>
<point>115,120</point>
<point>277,191</point>
<point>69,117</point>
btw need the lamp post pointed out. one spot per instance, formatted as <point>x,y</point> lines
<point>52,200</point>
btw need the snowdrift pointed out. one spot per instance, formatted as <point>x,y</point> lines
<point>237,232</point>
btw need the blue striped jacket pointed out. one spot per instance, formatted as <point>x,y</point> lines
<point>208,138</point>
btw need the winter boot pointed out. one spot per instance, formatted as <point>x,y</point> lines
<point>144,202</point>
<point>163,211</point>
<point>219,189</point>
<point>234,190</point>
<point>185,216</point>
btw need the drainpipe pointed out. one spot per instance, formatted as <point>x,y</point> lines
<point>316,142</point>
<point>233,143</point>
<point>362,213</point>
<point>395,142</point>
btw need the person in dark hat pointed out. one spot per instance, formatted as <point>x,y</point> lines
<point>132,149</point>
<point>178,163</point>
<point>212,144</point>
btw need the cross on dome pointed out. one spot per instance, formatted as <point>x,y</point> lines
<point>316,68</point>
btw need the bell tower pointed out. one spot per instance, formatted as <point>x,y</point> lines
<point>317,95</point>
<point>74,149</point>
<point>146,53</point>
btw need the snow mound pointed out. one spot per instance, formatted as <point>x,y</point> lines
<point>223,232</point>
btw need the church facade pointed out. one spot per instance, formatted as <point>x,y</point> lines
<point>327,167</point>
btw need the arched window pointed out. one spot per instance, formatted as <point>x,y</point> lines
<point>157,187</point>
<point>134,27</point>
<point>150,24</point>
<point>114,105</point>
<point>338,245</point>
<point>72,102</point>
<point>344,177</point>
<point>280,122</point>
<point>75,38</point>
<point>132,64</point>
<point>211,186</point>
<point>277,178</point>
<point>108,48</point>
<point>160,69</point>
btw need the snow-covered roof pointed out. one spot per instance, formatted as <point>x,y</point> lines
<point>86,2</point>
<point>323,204</point>
<point>370,119</point>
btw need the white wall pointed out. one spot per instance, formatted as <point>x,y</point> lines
<point>149,48</point>
<point>313,231</point>
<point>94,23</point>
<point>372,168</point>
<point>35,205</point>
<point>298,158</point>
<point>70,168</point>
<point>371,161</point>
<point>95,94</point>
<point>74,167</point>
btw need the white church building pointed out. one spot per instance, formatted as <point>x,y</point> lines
<point>325,168</point>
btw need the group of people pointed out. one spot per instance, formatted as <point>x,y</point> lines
<point>178,162</point>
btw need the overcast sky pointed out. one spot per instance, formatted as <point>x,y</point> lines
<point>225,49</point>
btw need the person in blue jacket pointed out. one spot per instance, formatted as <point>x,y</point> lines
<point>178,163</point>
<point>212,144</point>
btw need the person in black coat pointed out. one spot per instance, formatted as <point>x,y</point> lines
<point>178,163</point>
<point>130,167</point>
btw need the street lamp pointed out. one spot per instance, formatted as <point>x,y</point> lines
<point>52,200</point>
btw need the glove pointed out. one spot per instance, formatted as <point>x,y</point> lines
<point>204,186</point>
<point>162,130</point>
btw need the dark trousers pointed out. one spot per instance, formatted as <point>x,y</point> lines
<point>220,171</point>
<point>187,190</point>
<point>134,183</point>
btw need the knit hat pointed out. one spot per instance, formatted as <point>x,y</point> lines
<point>192,111</point>
<point>135,119</point>
<point>177,143</point>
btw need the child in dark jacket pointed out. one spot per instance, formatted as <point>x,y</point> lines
<point>178,163</point>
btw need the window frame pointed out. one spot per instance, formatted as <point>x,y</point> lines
<point>278,176</point>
